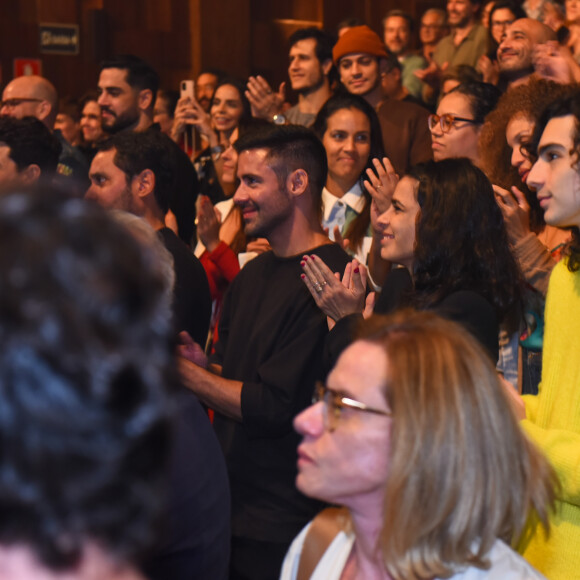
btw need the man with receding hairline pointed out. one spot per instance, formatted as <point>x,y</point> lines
<point>516,50</point>
<point>35,96</point>
<point>30,96</point>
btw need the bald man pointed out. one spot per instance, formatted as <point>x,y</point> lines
<point>515,53</point>
<point>30,96</point>
<point>34,96</point>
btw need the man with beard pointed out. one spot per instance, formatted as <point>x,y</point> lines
<point>466,43</point>
<point>516,50</point>
<point>467,40</point>
<point>133,172</point>
<point>271,337</point>
<point>205,86</point>
<point>398,28</point>
<point>127,90</point>
<point>309,70</point>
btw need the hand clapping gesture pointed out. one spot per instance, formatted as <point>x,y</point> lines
<point>265,102</point>
<point>334,297</point>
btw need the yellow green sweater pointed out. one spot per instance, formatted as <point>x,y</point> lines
<point>553,423</point>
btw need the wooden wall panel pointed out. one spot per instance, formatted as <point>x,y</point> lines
<point>178,37</point>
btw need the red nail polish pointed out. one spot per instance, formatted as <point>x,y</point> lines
<point>313,258</point>
<point>356,270</point>
<point>303,264</point>
<point>305,258</point>
<point>303,276</point>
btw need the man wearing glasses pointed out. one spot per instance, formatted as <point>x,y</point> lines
<point>30,96</point>
<point>35,96</point>
<point>433,28</point>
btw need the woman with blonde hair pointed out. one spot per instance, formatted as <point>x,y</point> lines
<point>414,435</point>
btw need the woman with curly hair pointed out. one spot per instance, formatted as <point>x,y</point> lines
<point>507,163</point>
<point>446,230</point>
<point>507,160</point>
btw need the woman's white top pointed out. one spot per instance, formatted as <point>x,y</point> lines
<point>340,211</point>
<point>505,563</point>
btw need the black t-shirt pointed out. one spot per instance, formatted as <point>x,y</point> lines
<point>271,338</point>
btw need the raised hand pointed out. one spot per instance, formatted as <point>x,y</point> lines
<point>515,210</point>
<point>190,112</point>
<point>265,102</point>
<point>208,223</point>
<point>334,297</point>
<point>381,183</point>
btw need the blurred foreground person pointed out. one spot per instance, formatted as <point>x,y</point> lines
<point>85,359</point>
<point>377,441</point>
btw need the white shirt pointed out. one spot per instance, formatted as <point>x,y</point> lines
<point>334,214</point>
<point>505,563</point>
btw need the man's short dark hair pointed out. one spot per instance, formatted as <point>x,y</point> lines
<point>218,73</point>
<point>30,142</point>
<point>401,14</point>
<point>562,107</point>
<point>140,75</point>
<point>324,41</point>
<point>291,147</point>
<point>85,361</point>
<point>150,149</point>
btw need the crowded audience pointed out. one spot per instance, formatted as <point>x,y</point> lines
<point>320,329</point>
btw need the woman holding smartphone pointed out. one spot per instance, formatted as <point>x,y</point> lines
<point>229,107</point>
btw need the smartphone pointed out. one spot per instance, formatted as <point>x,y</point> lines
<point>187,89</point>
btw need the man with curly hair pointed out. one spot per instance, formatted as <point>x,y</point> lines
<point>552,418</point>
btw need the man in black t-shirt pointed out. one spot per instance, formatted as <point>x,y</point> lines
<point>269,352</point>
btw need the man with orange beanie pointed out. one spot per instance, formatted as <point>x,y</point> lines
<point>360,57</point>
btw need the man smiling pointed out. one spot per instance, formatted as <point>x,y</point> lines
<point>309,69</point>
<point>516,50</point>
<point>269,353</point>
<point>127,90</point>
<point>361,59</point>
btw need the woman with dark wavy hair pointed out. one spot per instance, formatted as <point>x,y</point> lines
<point>446,230</point>
<point>351,134</point>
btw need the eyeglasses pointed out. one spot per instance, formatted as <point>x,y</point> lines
<point>11,103</point>
<point>447,121</point>
<point>334,403</point>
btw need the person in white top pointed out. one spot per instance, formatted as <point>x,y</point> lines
<point>351,134</point>
<point>414,435</point>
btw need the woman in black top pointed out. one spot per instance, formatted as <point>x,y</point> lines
<point>446,231</point>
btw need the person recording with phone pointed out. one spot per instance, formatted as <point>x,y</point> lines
<point>229,107</point>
